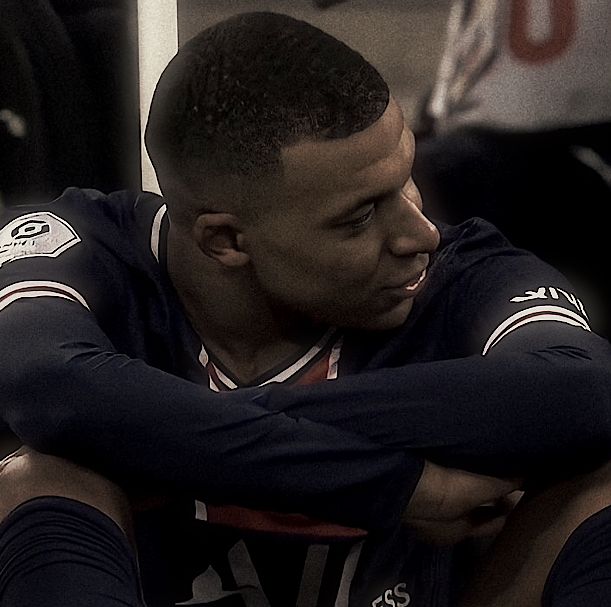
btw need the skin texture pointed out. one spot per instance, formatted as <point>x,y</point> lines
<point>350,239</point>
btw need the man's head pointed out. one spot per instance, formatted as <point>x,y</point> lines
<point>243,89</point>
<point>281,152</point>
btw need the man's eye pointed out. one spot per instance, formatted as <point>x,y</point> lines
<point>362,220</point>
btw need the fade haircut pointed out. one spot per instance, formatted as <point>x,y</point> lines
<point>243,89</point>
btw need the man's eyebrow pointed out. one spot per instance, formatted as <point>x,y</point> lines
<point>356,204</point>
<point>359,203</point>
<point>372,199</point>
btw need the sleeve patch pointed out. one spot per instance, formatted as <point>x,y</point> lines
<point>40,234</point>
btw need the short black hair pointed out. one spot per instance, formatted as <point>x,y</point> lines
<point>241,90</point>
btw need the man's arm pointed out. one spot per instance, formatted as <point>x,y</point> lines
<point>531,406</point>
<point>318,444</point>
<point>65,391</point>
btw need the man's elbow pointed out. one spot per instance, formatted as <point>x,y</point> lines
<point>588,387</point>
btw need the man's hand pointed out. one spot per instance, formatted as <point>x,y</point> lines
<point>451,505</point>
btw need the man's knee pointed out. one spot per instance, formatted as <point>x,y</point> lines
<point>26,474</point>
<point>515,570</point>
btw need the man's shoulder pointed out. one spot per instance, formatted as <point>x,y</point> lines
<point>83,242</point>
<point>87,206</point>
<point>115,221</point>
<point>475,234</point>
<point>476,246</point>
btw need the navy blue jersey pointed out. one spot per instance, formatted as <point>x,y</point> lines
<point>496,370</point>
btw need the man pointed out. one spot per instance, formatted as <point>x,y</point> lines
<point>290,248</point>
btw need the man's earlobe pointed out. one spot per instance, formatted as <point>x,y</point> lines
<point>219,236</point>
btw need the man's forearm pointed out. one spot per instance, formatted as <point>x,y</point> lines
<point>137,424</point>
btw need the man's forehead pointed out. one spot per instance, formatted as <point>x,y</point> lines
<point>308,163</point>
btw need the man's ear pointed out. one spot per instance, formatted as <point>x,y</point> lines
<point>219,236</point>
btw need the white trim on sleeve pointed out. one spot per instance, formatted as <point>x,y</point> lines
<point>534,314</point>
<point>39,288</point>
<point>156,230</point>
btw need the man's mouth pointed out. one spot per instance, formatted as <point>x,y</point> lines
<point>414,284</point>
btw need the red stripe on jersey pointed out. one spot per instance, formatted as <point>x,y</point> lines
<point>316,373</point>
<point>295,525</point>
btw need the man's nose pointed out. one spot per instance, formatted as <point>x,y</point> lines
<point>410,232</point>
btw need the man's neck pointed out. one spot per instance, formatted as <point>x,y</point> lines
<point>251,347</point>
<point>237,325</point>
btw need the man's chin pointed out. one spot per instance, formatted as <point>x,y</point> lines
<point>391,319</point>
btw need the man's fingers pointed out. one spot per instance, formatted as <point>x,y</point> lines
<point>449,494</point>
<point>499,507</point>
<point>447,533</point>
<point>478,489</point>
<point>484,521</point>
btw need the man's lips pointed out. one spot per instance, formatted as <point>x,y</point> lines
<point>412,285</point>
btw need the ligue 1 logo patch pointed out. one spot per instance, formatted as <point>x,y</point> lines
<point>39,234</point>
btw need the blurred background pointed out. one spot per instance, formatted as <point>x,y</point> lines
<point>68,97</point>
<point>69,91</point>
